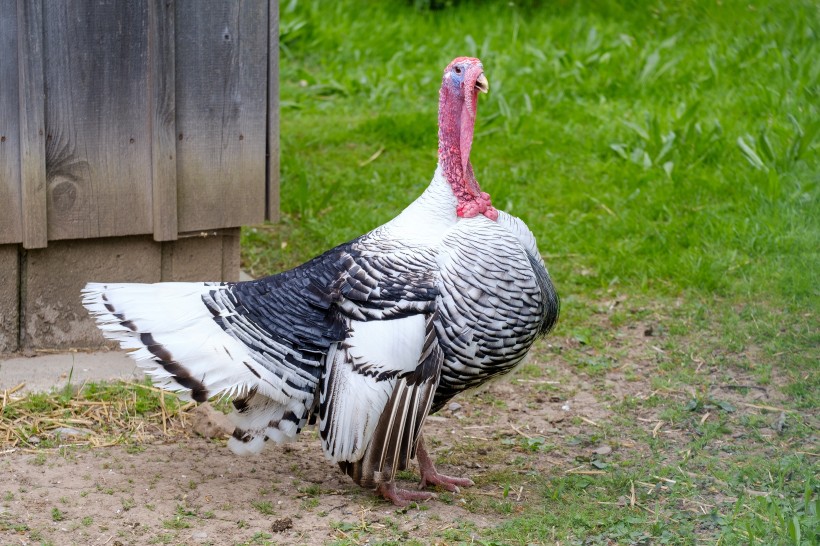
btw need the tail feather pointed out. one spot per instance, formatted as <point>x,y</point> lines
<point>178,339</point>
<point>259,419</point>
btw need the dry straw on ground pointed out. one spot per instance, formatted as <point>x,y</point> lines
<point>102,416</point>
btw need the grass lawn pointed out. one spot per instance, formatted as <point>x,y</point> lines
<point>665,156</point>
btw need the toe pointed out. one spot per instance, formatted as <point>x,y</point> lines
<point>401,497</point>
<point>449,483</point>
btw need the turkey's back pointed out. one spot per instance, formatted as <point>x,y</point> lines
<point>496,298</point>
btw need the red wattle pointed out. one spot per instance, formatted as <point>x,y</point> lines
<point>458,103</point>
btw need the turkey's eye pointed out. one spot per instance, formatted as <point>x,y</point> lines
<point>457,69</point>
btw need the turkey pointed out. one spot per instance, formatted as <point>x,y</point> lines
<point>366,339</point>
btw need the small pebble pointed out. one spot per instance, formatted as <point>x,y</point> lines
<point>780,424</point>
<point>602,450</point>
<point>68,432</point>
<point>454,406</point>
<point>210,422</point>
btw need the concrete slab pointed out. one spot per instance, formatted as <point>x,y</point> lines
<point>192,259</point>
<point>45,372</point>
<point>9,298</point>
<point>54,317</point>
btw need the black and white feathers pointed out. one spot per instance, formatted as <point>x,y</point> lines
<point>370,336</point>
<point>367,338</point>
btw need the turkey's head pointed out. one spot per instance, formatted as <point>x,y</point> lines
<point>463,80</point>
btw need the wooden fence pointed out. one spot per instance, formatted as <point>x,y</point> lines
<point>141,120</point>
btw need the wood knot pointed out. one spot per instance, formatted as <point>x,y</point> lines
<point>64,195</point>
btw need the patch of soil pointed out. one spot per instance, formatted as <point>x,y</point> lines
<point>197,491</point>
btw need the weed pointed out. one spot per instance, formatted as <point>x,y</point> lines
<point>312,490</point>
<point>177,522</point>
<point>261,538</point>
<point>264,507</point>
<point>57,514</point>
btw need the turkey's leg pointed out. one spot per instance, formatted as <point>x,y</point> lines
<point>401,497</point>
<point>429,474</point>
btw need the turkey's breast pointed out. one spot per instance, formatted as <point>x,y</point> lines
<point>496,298</point>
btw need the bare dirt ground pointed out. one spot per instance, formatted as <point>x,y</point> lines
<point>192,490</point>
<point>185,489</point>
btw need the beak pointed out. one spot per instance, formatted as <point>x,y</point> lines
<point>482,84</point>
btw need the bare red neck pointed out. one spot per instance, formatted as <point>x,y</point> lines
<point>456,119</point>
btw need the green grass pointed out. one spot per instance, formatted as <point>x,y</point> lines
<point>57,514</point>
<point>665,156</point>
<point>264,507</point>
<point>650,151</point>
<point>644,145</point>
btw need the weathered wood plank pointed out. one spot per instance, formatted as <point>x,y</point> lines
<point>11,218</point>
<point>272,186</point>
<point>221,104</point>
<point>32,125</point>
<point>98,148</point>
<point>162,119</point>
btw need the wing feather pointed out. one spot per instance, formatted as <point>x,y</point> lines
<point>394,438</point>
<point>360,375</point>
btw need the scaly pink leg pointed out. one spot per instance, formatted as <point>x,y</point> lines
<point>401,497</point>
<point>430,476</point>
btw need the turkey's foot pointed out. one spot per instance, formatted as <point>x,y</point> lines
<point>430,476</point>
<point>401,497</point>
